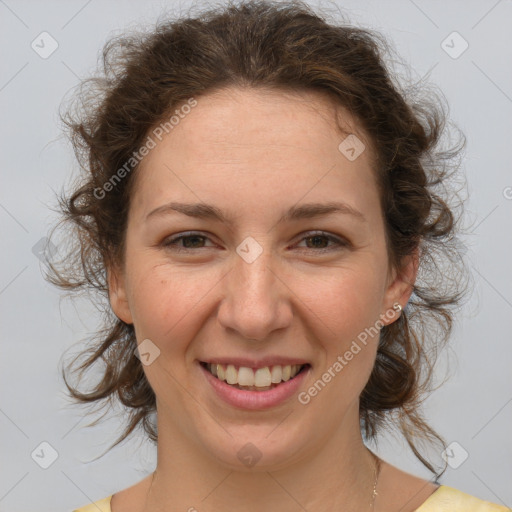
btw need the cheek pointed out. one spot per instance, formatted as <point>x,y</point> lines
<point>348,305</point>
<point>163,304</point>
<point>346,301</point>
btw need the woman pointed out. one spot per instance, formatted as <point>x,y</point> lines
<point>263,208</point>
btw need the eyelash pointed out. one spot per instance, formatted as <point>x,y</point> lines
<point>171,243</point>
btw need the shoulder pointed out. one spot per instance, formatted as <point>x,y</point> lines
<point>98,506</point>
<point>448,499</point>
<point>127,500</point>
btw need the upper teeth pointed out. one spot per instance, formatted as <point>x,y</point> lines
<point>260,378</point>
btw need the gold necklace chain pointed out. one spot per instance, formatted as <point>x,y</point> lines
<point>374,490</point>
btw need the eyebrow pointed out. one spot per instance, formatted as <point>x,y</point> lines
<point>305,211</point>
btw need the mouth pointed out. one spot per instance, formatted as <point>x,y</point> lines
<point>254,379</point>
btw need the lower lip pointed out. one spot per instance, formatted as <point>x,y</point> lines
<point>255,400</point>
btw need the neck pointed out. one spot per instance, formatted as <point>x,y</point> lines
<point>341,466</point>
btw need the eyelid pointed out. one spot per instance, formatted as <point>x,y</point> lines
<point>339,241</point>
<point>172,240</point>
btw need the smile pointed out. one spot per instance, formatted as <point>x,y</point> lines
<point>251,388</point>
<point>258,379</point>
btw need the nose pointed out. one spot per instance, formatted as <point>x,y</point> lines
<point>255,301</point>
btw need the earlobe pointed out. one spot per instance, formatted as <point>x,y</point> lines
<point>118,297</point>
<point>400,289</point>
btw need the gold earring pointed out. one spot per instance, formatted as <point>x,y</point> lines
<point>397,307</point>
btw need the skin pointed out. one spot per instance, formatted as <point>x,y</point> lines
<point>254,154</point>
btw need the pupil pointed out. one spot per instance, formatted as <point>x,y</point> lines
<point>189,238</point>
<point>316,238</point>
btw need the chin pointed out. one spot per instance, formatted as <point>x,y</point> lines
<point>253,448</point>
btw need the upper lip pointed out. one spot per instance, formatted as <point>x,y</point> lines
<point>255,363</point>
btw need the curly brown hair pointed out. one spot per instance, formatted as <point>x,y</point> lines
<point>281,46</point>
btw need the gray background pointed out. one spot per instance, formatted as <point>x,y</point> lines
<point>474,408</point>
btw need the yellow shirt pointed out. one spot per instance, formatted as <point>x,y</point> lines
<point>443,499</point>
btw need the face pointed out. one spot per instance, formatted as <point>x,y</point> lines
<point>259,282</point>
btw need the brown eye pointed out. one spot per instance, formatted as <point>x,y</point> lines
<point>186,242</point>
<point>319,241</point>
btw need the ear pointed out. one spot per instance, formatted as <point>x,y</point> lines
<point>401,286</point>
<point>118,296</point>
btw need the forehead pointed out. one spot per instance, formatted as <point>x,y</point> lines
<point>257,146</point>
<point>303,120</point>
